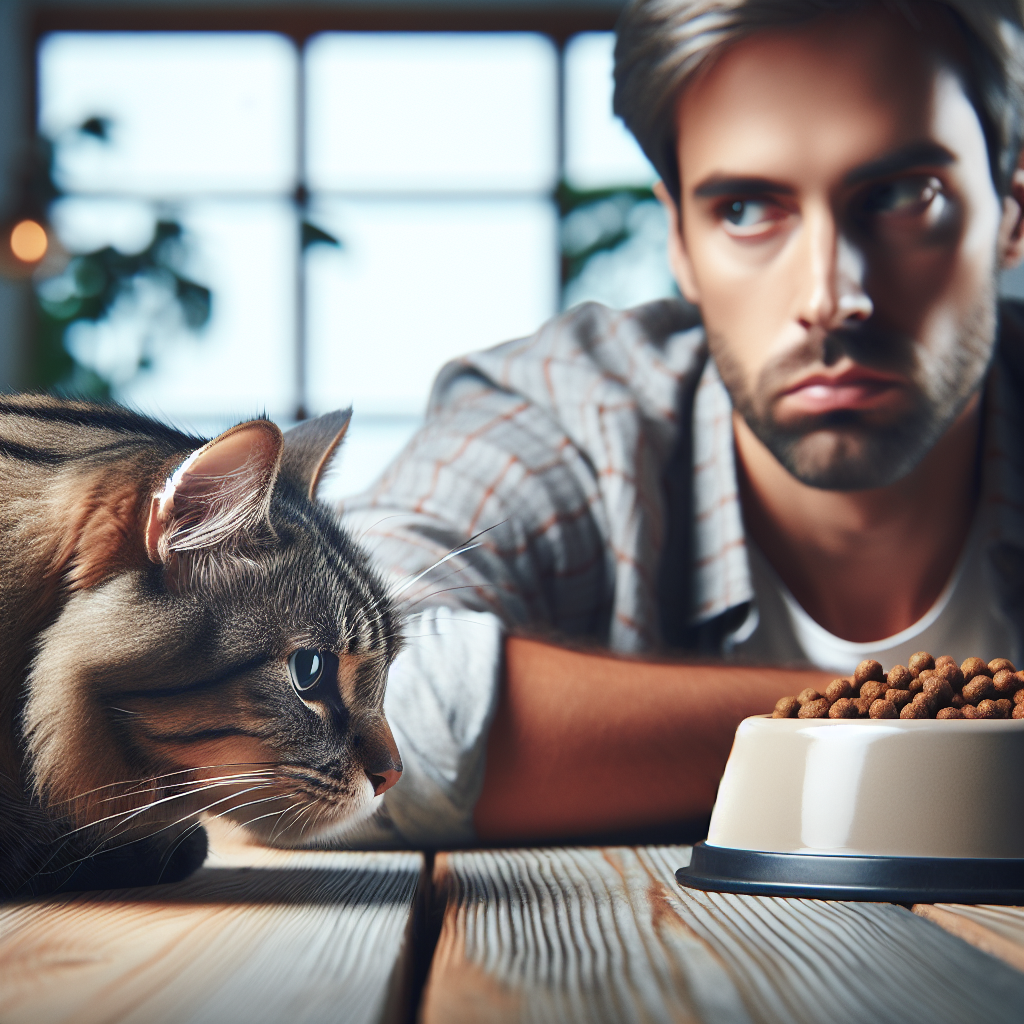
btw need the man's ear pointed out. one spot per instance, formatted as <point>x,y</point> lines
<point>309,448</point>
<point>678,257</point>
<point>219,495</point>
<point>1011,228</point>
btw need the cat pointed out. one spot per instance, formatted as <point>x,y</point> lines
<point>184,631</point>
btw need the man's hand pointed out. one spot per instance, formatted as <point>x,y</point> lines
<point>584,743</point>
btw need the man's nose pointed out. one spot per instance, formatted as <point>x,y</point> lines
<point>831,279</point>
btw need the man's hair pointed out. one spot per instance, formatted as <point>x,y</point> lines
<point>662,44</point>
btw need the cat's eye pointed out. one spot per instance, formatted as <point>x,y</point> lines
<point>306,667</point>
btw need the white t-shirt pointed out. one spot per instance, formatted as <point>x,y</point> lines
<point>965,621</point>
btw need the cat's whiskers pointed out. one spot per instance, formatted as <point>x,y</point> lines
<point>179,821</point>
<point>227,779</point>
<point>467,545</point>
<point>361,536</point>
<point>399,587</point>
<point>273,835</point>
<point>134,812</point>
<point>321,816</point>
<point>252,821</point>
<point>103,845</point>
<point>264,778</point>
<point>195,788</point>
<point>316,811</point>
<point>310,809</point>
<point>429,589</point>
<point>300,809</point>
<point>155,779</point>
<point>430,568</point>
<point>250,803</point>
<point>172,849</point>
<point>218,814</point>
<point>449,590</point>
<point>305,773</point>
<point>423,636</point>
<point>318,817</point>
<point>280,814</point>
<point>316,786</point>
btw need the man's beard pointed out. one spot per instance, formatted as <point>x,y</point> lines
<point>845,450</point>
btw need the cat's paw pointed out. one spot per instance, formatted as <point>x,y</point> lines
<point>188,856</point>
<point>144,862</point>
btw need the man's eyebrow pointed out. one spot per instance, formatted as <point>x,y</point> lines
<point>917,154</point>
<point>719,185</point>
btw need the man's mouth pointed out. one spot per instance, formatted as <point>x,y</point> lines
<point>854,389</point>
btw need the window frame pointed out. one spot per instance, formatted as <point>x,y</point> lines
<point>301,24</point>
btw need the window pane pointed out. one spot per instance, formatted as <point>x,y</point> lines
<point>188,111</point>
<point>632,271</point>
<point>431,111</point>
<point>599,151</point>
<point>416,284</point>
<point>242,362</point>
<point>85,225</point>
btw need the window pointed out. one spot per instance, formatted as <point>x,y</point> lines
<point>440,163</point>
<point>433,157</point>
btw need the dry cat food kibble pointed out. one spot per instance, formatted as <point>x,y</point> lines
<point>925,687</point>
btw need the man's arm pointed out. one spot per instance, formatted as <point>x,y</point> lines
<point>585,743</point>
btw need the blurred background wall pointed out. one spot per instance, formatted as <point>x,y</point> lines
<point>289,207</point>
<point>15,125</point>
<point>256,206</point>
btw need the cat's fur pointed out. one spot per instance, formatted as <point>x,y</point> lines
<point>148,610</point>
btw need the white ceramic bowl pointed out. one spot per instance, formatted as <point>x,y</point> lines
<point>874,787</point>
<point>911,811</point>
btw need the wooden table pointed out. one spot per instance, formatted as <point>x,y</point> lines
<point>562,934</point>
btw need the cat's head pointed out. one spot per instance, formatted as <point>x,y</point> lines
<point>235,666</point>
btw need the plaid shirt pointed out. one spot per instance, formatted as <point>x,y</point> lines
<point>598,456</point>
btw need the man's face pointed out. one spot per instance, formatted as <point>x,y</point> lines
<point>841,234</point>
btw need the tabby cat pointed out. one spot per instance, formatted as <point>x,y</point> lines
<point>185,631</point>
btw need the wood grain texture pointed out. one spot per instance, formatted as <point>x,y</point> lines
<point>996,930</point>
<point>607,935</point>
<point>255,936</point>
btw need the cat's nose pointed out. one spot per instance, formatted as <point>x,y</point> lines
<point>382,781</point>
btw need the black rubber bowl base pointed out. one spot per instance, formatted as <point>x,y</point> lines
<point>875,879</point>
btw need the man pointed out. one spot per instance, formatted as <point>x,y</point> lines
<point>827,465</point>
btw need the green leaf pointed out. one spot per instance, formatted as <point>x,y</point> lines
<point>312,235</point>
<point>98,127</point>
<point>195,301</point>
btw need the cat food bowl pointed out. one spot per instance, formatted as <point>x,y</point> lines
<point>903,810</point>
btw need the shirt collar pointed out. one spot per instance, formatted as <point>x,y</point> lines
<point>720,570</point>
<point>1002,466</point>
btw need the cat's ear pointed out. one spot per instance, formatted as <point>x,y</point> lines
<point>309,448</point>
<point>218,495</point>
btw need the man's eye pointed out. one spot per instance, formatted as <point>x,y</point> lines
<point>902,198</point>
<point>745,217</point>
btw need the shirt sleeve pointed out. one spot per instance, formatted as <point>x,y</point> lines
<point>440,700</point>
<point>484,524</point>
<point>530,499</point>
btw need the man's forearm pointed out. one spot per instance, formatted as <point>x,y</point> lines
<point>584,743</point>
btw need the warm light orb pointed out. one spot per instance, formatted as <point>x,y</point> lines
<point>28,241</point>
